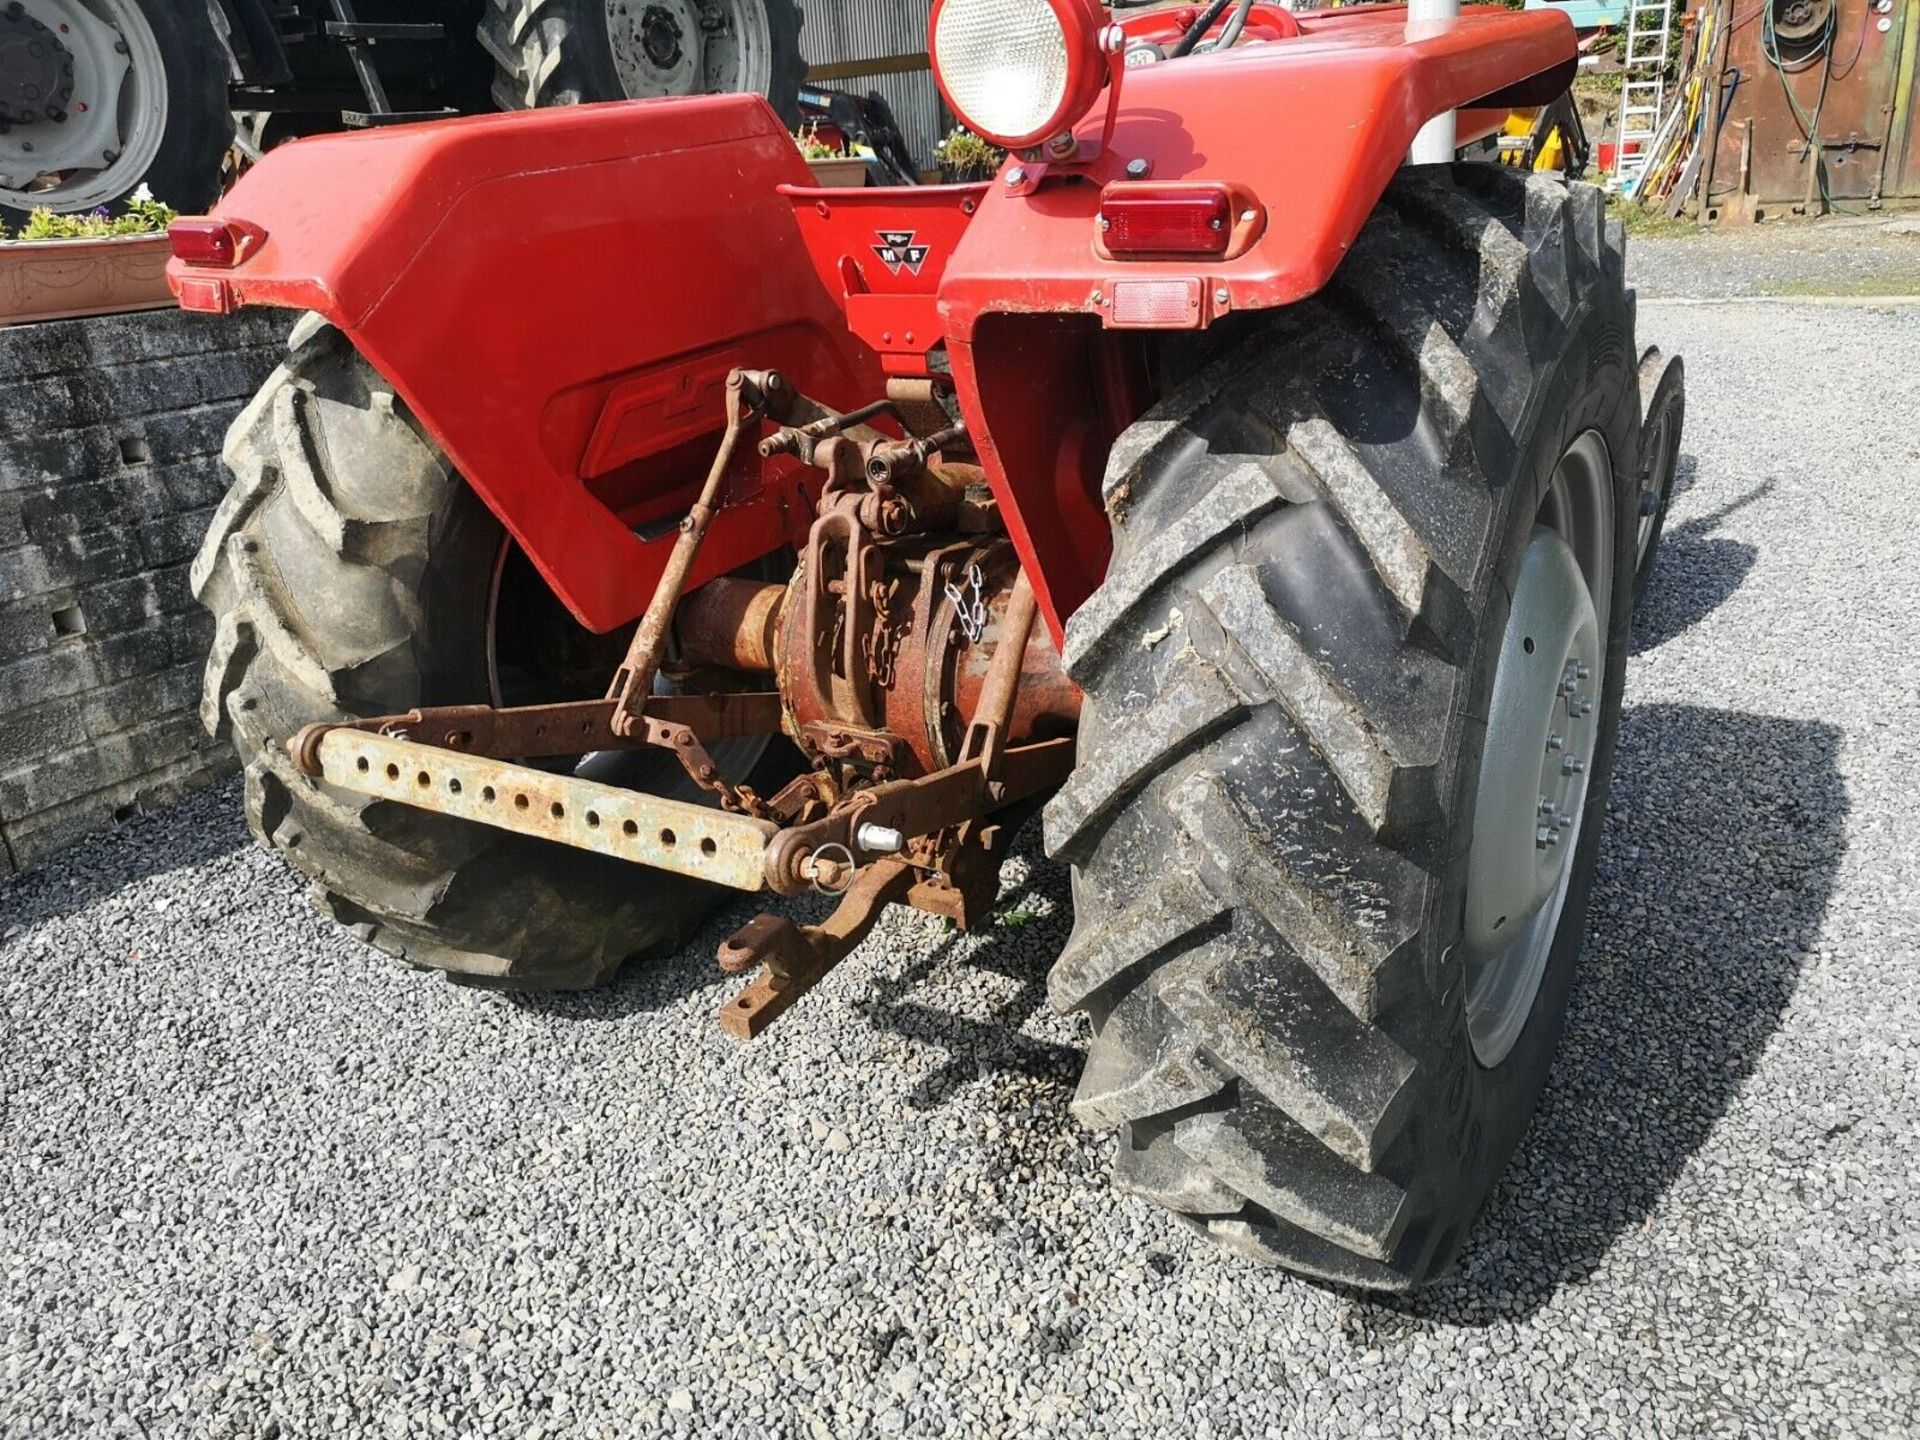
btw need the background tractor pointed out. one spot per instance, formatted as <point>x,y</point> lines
<point>98,97</point>
<point>1263,509</point>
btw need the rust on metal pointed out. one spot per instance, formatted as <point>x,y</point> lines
<point>730,624</point>
<point>543,731</point>
<point>750,395</point>
<point>794,958</point>
<point>625,824</point>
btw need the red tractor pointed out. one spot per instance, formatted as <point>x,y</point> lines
<point>1263,509</point>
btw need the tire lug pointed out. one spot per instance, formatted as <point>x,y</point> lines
<point>1556,741</point>
<point>1546,837</point>
<point>1572,766</point>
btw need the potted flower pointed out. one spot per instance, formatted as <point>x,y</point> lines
<point>965,158</point>
<point>92,264</point>
<point>832,169</point>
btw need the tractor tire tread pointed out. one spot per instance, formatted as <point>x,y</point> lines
<point>1271,1032</point>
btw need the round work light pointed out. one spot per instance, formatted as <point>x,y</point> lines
<point>1018,72</point>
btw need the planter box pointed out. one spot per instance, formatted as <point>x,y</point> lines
<point>58,279</point>
<point>840,173</point>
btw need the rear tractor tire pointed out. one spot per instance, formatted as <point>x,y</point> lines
<point>574,52</point>
<point>351,574</point>
<point>1352,684</point>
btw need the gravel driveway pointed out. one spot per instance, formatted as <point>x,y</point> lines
<point>256,1181</point>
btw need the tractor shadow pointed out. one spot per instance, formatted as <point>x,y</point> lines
<point>971,999</point>
<point>1726,834</point>
<point>1697,570</point>
<point>1018,943</point>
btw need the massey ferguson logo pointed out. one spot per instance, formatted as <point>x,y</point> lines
<point>898,250</point>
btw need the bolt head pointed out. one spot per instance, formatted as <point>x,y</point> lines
<point>1016,177</point>
<point>1571,766</point>
<point>1546,837</point>
<point>1556,741</point>
<point>1222,296</point>
<point>1139,169</point>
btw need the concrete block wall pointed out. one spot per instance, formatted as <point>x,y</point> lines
<point>110,434</point>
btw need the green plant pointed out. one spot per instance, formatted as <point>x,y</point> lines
<point>964,155</point>
<point>144,215</point>
<point>812,146</point>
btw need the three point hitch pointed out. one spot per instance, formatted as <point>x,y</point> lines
<point>928,713</point>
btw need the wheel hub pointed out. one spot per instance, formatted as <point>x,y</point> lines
<point>36,70</point>
<point>1543,729</point>
<point>85,145</point>
<point>660,36</point>
<point>690,47</point>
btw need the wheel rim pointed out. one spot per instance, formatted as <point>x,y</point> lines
<point>114,104</point>
<point>1655,474</point>
<point>1529,817</point>
<point>690,47</point>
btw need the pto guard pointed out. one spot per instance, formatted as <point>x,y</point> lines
<point>559,296</point>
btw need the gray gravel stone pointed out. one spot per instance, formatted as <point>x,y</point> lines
<point>255,1180</point>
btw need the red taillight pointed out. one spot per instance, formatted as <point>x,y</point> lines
<point>1182,220</point>
<point>217,244</point>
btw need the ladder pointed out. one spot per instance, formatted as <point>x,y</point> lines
<point>1643,87</point>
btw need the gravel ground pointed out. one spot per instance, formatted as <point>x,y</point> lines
<point>1844,256</point>
<point>256,1181</point>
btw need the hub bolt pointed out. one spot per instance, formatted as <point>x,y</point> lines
<point>1546,837</point>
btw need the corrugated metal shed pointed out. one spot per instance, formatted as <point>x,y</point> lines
<point>886,42</point>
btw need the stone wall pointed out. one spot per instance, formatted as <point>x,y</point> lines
<point>110,433</point>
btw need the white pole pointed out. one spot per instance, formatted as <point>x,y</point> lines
<point>1436,142</point>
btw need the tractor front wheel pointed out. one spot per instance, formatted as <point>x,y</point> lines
<point>1352,689</point>
<point>352,574</point>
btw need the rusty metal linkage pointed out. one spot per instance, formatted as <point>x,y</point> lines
<point>750,396</point>
<point>794,958</point>
<point>626,824</point>
<point>895,628</point>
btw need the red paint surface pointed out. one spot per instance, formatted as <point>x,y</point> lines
<point>559,295</point>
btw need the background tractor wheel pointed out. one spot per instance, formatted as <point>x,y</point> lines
<point>353,574</point>
<point>1352,683</point>
<point>98,97</point>
<point>571,52</point>
<point>1663,391</point>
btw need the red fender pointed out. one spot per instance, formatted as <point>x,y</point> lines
<point>1310,129</point>
<point>558,297</point>
<point>1306,127</point>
